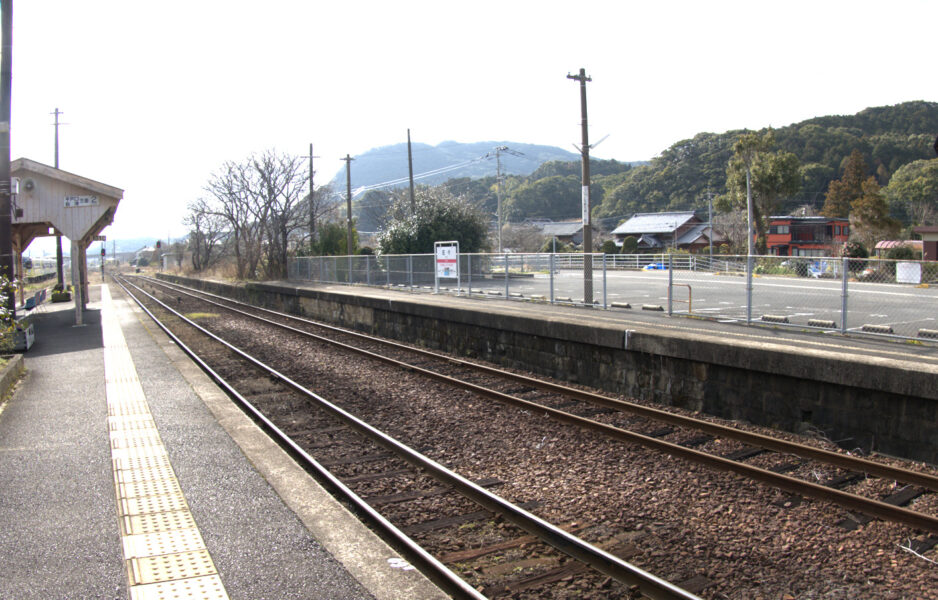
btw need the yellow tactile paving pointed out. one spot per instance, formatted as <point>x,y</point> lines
<point>197,587</point>
<point>156,522</point>
<point>164,554</point>
<point>167,567</point>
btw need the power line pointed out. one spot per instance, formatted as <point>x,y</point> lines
<point>423,175</point>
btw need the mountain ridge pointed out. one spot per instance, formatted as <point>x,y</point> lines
<point>387,167</point>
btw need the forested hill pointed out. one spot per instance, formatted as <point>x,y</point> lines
<point>545,182</point>
<point>680,178</point>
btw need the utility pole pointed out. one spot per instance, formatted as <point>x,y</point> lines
<point>348,201</point>
<point>587,220</point>
<point>710,223</point>
<point>498,184</point>
<point>498,195</point>
<point>410,169</point>
<point>749,227</point>
<point>6,86</point>
<point>59,277</point>
<point>312,204</point>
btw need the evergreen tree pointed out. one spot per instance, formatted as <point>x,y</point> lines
<point>842,192</point>
<point>870,214</point>
<point>773,176</point>
<point>439,216</point>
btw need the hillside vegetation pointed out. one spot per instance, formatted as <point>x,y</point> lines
<point>680,178</point>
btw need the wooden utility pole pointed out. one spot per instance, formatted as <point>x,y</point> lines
<point>6,218</point>
<point>498,197</point>
<point>410,169</point>
<point>312,204</point>
<point>59,277</point>
<point>348,201</point>
<point>587,220</point>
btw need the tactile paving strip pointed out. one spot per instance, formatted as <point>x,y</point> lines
<point>164,553</point>
<point>198,587</point>
<point>156,522</point>
<point>167,567</point>
<point>162,542</point>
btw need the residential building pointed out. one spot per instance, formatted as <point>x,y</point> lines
<point>568,232</point>
<point>883,247</point>
<point>807,236</point>
<point>660,231</point>
<point>929,235</point>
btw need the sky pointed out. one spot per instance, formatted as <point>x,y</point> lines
<point>156,96</point>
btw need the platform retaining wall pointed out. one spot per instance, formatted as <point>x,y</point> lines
<point>876,405</point>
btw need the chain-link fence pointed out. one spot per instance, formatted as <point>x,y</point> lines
<point>886,297</point>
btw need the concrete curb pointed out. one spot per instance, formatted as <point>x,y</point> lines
<point>11,374</point>
<point>364,555</point>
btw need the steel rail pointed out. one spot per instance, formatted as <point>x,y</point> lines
<point>620,570</point>
<point>843,461</point>
<point>861,504</point>
<point>434,569</point>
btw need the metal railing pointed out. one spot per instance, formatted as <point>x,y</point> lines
<point>845,295</point>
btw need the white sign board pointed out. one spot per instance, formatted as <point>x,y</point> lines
<point>447,262</point>
<point>908,272</point>
<point>586,205</point>
<point>446,257</point>
<point>73,201</point>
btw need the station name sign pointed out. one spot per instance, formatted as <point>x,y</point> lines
<point>73,201</point>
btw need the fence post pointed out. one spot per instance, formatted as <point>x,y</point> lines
<point>410,271</point>
<point>552,278</point>
<point>469,283</point>
<point>387,265</point>
<point>670,283</point>
<point>843,297</point>
<point>749,260</point>
<point>605,305</point>
<point>368,269</point>
<point>506,276</point>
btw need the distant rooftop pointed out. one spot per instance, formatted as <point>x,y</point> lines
<point>561,229</point>
<point>818,219</point>
<point>665,222</point>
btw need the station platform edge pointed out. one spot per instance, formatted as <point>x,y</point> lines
<point>126,473</point>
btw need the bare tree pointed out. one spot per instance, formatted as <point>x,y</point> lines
<point>276,191</point>
<point>207,233</point>
<point>523,238</point>
<point>732,225</point>
<point>324,202</point>
<point>231,189</point>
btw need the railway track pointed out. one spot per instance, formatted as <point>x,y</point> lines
<point>866,488</point>
<point>500,551</point>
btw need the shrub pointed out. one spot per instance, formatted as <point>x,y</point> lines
<point>901,253</point>
<point>629,245</point>
<point>855,250</point>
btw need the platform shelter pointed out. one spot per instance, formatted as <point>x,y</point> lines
<point>51,202</point>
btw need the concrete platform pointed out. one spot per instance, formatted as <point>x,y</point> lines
<point>270,530</point>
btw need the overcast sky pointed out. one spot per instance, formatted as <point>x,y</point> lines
<point>157,95</point>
